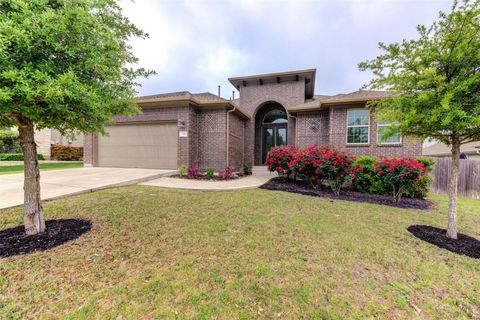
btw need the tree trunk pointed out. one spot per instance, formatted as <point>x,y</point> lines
<point>32,207</point>
<point>453,190</point>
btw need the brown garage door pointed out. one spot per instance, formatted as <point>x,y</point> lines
<point>139,146</point>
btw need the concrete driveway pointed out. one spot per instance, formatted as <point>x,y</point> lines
<point>58,183</point>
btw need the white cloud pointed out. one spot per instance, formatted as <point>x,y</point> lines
<point>196,44</point>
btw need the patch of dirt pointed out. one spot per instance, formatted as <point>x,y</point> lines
<point>215,178</point>
<point>304,188</point>
<point>14,241</point>
<point>464,245</point>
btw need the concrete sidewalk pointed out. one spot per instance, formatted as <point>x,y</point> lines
<point>58,183</point>
<point>259,177</point>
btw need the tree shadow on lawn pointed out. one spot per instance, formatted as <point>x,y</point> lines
<point>464,245</point>
<point>14,241</point>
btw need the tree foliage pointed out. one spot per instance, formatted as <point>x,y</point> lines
<point>436,78</point>
<point>436,84</point>
<point>66,64</point>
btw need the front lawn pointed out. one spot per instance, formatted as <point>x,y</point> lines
<point>42,166</point>
<point>162,253</point>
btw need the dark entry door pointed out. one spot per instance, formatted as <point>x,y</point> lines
<point>273,135</point>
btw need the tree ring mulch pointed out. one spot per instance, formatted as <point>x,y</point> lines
<point>301,187</point>
<point>14,241</point>
<point>464,245</point>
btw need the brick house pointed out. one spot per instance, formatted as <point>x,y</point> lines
<point>273,109</point>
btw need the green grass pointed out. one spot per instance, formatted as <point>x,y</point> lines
<point>168,254</point>
<point>43,166</point>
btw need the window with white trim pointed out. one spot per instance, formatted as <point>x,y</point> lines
<point>358,126</point>
<point>382,127</point>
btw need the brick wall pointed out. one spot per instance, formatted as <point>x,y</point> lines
<point>212,138</point>
<point>338,138</point>
<point>252,97</point>
<point>312,128</point>
<point>236,140</point>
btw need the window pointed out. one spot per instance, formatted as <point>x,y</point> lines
<point>393,139</point>
<point>275,116</point>
<point>358,126</point>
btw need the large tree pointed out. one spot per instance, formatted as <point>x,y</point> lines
<point>436,78</point>
<point>66,65</point>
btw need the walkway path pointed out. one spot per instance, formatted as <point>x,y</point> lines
<point>259,177</point>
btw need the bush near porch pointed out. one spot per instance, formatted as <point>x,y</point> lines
<point>398,177</point>
<point>66,153</point>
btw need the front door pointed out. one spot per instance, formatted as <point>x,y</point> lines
<point>273,135</point>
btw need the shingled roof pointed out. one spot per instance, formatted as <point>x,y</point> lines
<point>203,99</point>
<point>324,100</point>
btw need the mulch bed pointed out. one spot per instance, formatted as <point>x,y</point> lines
<point>302,187</point>
<point>464,245</point>
<point>215,178</point>
<point>14,241</point>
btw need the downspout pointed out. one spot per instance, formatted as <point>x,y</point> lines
<point>296,128</point>
<point>228,134</point>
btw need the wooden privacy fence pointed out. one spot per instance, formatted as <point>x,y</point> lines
<point>469,180</point>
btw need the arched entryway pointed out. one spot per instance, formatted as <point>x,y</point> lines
<point>271,123</point>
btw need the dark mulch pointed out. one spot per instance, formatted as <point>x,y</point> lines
<point>14,241</point>
<point>464,245</point>
<point>302,187</point>
<point>214,178</point>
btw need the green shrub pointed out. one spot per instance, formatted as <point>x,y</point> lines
<point>9,142</point>
<point>422,186</point>
<point>182,170</point>
<point>66,153</point>
<point>16,157</point>
<point>366,178</point>
<point>427,163</point>
<point>247,169</point>
<point>210,172</point>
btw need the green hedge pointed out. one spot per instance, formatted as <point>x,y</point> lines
<point>16,157</point>
<point>9,142</point>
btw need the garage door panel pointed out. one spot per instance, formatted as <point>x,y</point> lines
<point>139,146</point>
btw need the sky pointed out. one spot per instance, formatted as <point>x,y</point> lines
<point>196,45</point>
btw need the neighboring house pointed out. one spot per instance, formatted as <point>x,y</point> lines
<point>470,150</point>
<point>273,109</point>
<point>46,137</point>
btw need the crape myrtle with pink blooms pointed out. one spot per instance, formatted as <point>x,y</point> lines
<point>319,164</point>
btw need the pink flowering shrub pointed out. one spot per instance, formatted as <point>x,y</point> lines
<point>400,175</point>
<point>279,158</point>
<point>227,174</point>
<point>325,163</point>
<point>193,172</point>
<point>338,168</point>
<point>306,165</point>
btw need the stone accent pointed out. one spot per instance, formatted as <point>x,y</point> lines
<point>338,138</point>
